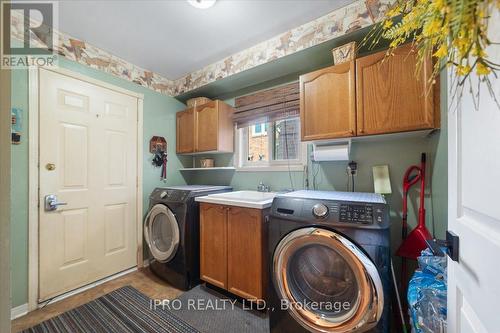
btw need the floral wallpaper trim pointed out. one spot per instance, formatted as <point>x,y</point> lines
<point>358,15</point>
<point>91,56</point>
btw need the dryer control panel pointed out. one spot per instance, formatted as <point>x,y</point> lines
<point>169,195</point>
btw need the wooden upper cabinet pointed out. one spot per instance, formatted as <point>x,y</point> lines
<point>185,131</point>
<point>327,103</point>
<point>213,244</point>
<point>210,128</point>
<point>207,125</point>
<point>245,253</point>
<point>389,96</point>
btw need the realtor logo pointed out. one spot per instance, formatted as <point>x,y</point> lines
<point>28,34</point>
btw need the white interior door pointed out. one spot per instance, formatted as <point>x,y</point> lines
<point>474,208</point>
<point>88,160</point>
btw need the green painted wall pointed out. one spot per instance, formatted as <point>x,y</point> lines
<point>399,154</point>
<point>19,195</point>
<point>439,167</point>
<point>159,119</point>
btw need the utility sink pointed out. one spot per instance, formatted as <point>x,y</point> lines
<point>249,199</point>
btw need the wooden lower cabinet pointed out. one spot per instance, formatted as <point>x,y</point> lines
<point>213,244</point>
<point>235,258</point>
<point>245,251</point>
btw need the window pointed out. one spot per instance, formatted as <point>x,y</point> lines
<point>259,129</point>
<point>274,145</point>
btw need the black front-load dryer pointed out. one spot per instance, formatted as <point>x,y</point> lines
<point>171,231</point>
<point>329,258</point>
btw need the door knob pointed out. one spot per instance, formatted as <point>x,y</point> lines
<point>51,203</point>
<point>50,166</point>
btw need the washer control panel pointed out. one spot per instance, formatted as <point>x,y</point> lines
<point>345,213</point>
<point>356,213</point>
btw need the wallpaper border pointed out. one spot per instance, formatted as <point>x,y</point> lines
<point>355,16</point>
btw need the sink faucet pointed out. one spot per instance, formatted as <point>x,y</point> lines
<point>263,187</point>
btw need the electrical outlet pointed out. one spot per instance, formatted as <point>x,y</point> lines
<point>352,168</point>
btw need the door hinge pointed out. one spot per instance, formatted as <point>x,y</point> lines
<point>451,246</point>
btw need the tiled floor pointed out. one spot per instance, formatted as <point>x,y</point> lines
<point>142,280</point>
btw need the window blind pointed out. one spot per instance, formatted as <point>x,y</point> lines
<point>267,105</point>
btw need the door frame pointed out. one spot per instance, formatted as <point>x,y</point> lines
<point>34,163</point>
<point>5,194</point>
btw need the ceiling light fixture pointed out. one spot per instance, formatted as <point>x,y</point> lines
<point>202,4</point>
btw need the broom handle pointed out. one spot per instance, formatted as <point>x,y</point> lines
<point>421,210</point>
<point>398,298</point>
<point>404,222</point>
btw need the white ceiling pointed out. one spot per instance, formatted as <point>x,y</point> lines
<point>173,38</point>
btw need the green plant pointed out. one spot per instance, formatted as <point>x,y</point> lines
<point>454,32</point>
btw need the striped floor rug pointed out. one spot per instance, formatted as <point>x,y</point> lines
<point>221,319</point>
<point>122,311</point>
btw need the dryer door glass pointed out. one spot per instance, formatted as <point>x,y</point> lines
<point>327,283</point>
<point>161,232</point>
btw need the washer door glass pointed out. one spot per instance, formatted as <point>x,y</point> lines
<point>161,232</point>
<point>318,274</point>
<point>326,282</point>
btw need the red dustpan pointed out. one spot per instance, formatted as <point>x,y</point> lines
<point>415,242</point>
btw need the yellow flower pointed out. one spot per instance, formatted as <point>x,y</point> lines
<point>432,27</point>
<point>445,31</point>
<point>463,70</point>
<point>394,12</point>
<point>439,4</point>
<point>481,69</point>
<point>387,24</point>
<point>462,45</point>
<point>478,52</point>
<point>441,52</point>
<point>394,44</point>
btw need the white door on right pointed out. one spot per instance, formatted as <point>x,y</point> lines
<point>474,206</point>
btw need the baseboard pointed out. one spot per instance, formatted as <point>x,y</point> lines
<point>22,310</point>
<point>18,311</point>
<point>88,286</point>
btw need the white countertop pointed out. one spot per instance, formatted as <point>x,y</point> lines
<point>248,199</point>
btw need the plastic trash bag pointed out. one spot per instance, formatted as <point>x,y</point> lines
<point>427,293</point>
<point>431,264</point>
